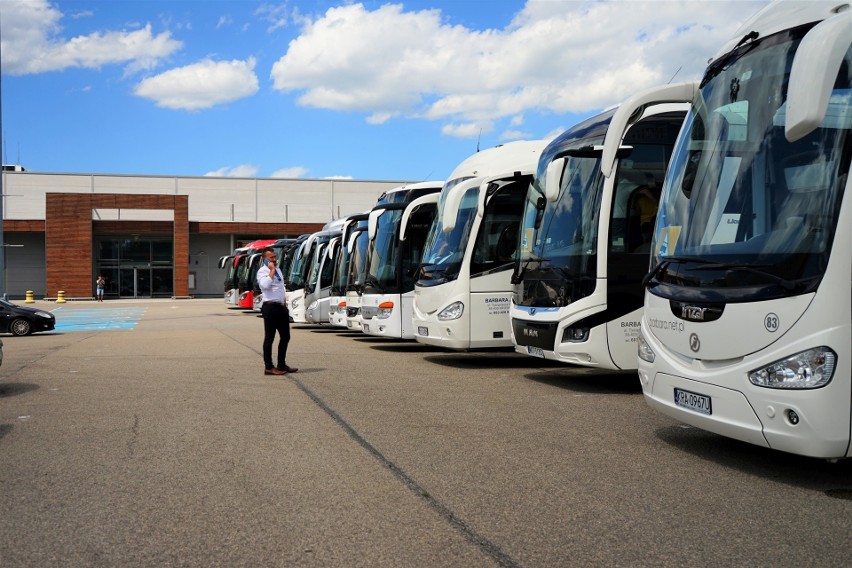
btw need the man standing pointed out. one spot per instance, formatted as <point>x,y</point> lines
<point>100,283</point>
<point>275,315</point>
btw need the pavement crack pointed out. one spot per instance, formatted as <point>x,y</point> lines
<point>488,547</point>
<point>134,437</point>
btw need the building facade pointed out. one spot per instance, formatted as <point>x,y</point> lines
<point>153,236</point>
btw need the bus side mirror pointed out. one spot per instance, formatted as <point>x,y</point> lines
<point>553,179</point>
<point>814,71</point>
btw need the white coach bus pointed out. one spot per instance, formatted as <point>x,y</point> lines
<point>746,330</point>
<point>462,294</point>
<point>586,235</point>
<point>397,234</point>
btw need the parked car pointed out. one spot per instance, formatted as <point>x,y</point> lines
<point>20,320</point>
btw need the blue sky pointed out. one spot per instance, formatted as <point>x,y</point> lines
<point>322,89</point>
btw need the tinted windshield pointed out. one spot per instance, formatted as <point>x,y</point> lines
<point>357,262</point>
<point>445,251</point>
<point>382,264</point>
<point>299,269</point>
<point>313,273</point>
<point>746,214</point>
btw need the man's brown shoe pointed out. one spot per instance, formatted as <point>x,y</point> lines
<point>287,369</point>
<point>274,372</point>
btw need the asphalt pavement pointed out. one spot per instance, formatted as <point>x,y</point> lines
<point>164,444</point>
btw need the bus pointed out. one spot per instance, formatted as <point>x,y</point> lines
<point>320,279</point>
<point>285,250</point>
<point>462,292</point>
<point>358,261</point>
<point>586,237</point>
<point>397,234</point>
<point>746,330</point>
<point>353,225</point>
<point>247,272</point>
<point>235,270</point>
<point>231,264</point>
<point>303,278</point>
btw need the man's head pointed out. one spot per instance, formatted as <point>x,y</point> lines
<point>269,253</point>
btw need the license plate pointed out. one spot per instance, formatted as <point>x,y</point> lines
<point>535,351</point>
<point>693,401</point>
<point>366,327</point>
<point>423,331</point>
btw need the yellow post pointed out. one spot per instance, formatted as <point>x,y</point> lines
<point>60,297</point>
<point>29,299</point>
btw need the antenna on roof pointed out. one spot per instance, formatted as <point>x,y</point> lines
<point>675,75</point>
<point>478,138</point>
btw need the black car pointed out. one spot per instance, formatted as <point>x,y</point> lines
<point>20,320</point>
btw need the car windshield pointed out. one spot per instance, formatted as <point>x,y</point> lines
<point>745,214</point>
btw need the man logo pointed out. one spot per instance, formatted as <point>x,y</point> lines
<point>694,342</point>
<point>530,332</point>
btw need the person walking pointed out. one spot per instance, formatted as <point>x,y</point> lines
<point>100,284</point>
<point>276,318</point>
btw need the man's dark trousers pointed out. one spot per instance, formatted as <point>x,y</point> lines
<point>275,318</point>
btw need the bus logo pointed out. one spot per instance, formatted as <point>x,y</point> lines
<point>693,313</point>
<point>694,342</point>
<point>530,332</point>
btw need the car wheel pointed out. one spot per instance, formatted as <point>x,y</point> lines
<point>20,327</point>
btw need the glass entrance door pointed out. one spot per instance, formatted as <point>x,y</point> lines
<point>135,282</point>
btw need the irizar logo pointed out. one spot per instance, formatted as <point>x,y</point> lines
<point>693,313</point>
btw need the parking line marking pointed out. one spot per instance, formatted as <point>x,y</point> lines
<point>101,319</point>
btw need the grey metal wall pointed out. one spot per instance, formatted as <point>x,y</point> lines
<point>25,269</point>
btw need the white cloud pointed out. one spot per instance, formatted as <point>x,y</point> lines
<point>515,135</point>
<point>223,21</point>
<point>278,16</point>
<point>554,133</point>
<point>293,172</point>
<point>517,120</point>
<point>243,170</point>
<point>31,43</point>
<point>466,130</point>
<point>562,57</point>
<point>201,85</point>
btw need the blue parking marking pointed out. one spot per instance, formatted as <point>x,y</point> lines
<point>100,319</point>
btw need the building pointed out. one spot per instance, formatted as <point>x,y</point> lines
<point>153,236</point>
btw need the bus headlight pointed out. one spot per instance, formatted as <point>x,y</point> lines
<point>313,305</point>
<point>645,351</point>
<point>806,370</point>
<point>385,310</point>
<point>451,312</point>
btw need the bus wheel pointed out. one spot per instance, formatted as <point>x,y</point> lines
<point>20,327</point>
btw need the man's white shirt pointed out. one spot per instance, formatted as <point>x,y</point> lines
<point>271,288</point>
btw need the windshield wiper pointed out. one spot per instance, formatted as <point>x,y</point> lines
<point>669,260</point>
<point>524,264</point>
<point>373,281</point>
<point>754,269</point>
<point>731,57</point>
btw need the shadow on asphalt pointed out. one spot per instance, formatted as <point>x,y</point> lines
<point>5,429</point>
<point>588,381</point>
<point>833,479</point>
<point>491,359</point>
<point>14,389</point>
<point>406,346</point>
